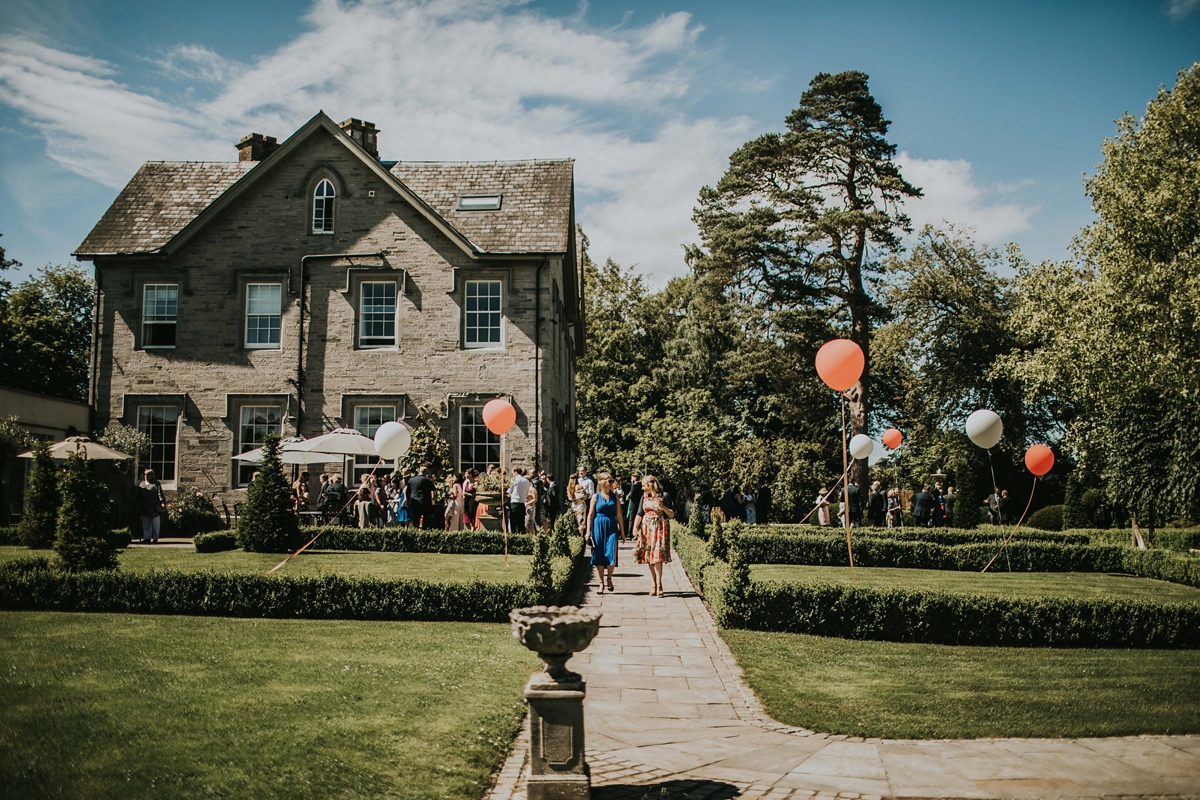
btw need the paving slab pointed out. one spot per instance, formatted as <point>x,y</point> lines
<point>668,715</point>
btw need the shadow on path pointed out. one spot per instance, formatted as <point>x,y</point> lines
<point>668,790</point>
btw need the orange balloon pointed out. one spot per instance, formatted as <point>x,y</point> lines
<point>892,438</point>
<point>1039,459</point>
<point>499,416</point>
<point>840,364</point>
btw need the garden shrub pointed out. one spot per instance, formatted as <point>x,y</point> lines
<point>541,578</point>
<point>193,514</point>
<point>983,533</point>
<point>564,529</point>
<point>33,584</point>
<point>1049,518</point>
<point>40,520</point>
<point>1024,556</point>
<point>695,523</point>
<point>718,547</point>
<point>940,618</point>
<point>215,542</point>
<point>411,540</point>
<point>10,536</point>
<point>267,523</point>
<point>735,610</point>
<point>83,539</point>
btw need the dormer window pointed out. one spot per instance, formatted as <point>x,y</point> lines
<point>479,202</point>
<point>323,197</point>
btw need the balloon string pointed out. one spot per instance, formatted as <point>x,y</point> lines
<point>1018,525</point>
<point>846,493</point>
<point>319,532</point>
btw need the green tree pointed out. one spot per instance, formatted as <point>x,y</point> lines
<point>1113,335</point>
<point>13,439</point>
<point>47,333</point>
<point>267,523</point>
<point>83,540</point>
<point>936,363</point>
<point>800,218</point>
<point>130,441</point>
<point>41,501</point>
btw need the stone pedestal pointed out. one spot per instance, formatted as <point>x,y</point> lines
<point>557,769</point>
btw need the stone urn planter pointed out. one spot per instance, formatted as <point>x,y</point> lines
<point>555,633</point>
<point>557,769</point>
<point>490,520</point>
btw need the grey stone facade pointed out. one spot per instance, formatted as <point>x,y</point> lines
<point>212,229</point>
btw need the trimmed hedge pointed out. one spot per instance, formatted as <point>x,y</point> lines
<point>411,540</point>
<point>1022,556</point>
<point>10,536</point>
<point>1049,518</point>
<point>34,584</point>
<point>943,618</point>
<point>948,536</point>
<point>215,542</point>
<point>940,618</point>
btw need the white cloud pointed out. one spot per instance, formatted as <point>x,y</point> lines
<point>952,195</point>
<point>1178,9</point>
<point>444,79</point>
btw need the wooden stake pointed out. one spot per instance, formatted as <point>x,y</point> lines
<point>846,490</point>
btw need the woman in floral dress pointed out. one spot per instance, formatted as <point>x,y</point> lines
<point>653,532</point>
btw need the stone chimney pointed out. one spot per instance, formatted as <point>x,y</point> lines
<point>364,133</point>
<point>256,147</point>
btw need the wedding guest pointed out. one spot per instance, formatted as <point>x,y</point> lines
<point>604,526</point>
<point>652,532</point>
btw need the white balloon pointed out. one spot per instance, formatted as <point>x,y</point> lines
<point>861,446</point>
<point>392,440</point>
<point>985,428</point>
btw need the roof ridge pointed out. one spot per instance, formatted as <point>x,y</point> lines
<point>494,161</point>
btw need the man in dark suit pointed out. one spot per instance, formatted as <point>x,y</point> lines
<point>854,497</point>
<point>922,508</point>
<point>876,506</point>
<point>420,497</point>
<point>764,504</point>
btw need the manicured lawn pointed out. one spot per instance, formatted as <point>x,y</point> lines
<point>426,566</point>
<point>936,691</point>
<point>113,705</point>
<point>1080,585</point>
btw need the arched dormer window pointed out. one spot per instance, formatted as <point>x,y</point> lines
<point>323,207</point>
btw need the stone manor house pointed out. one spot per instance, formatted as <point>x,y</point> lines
<point>310,285</point>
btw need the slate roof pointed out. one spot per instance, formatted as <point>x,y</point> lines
<point>161,198</point>
<point>535,209</point>
<point>534,217</point>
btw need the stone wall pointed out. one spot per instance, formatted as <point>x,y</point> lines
<point>262,238</point>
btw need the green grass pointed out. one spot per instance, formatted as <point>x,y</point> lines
<point>935,691</point>
<point>425,566</point>
<point>115,706</point>
<point>1078,585</point>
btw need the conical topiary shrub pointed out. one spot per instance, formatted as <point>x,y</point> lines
<point>83,540</point>
<point>41,501</point>
<point>267,523</point>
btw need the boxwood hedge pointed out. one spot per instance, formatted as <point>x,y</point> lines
<point>34,583</point>
<point>411,540</point>
<point>939,617</point>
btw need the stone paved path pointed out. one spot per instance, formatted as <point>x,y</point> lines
<point>668,716</point>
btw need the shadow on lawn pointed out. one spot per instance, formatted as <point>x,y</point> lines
<point>668,790</point>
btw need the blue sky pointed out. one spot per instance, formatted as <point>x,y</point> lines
<point>998,109</point>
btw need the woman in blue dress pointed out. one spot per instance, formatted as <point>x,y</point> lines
<point>604,526</point>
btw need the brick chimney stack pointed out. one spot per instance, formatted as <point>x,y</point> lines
<point>256,147</point>
<point>364,133</point>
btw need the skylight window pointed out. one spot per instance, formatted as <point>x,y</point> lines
<point>479,202</point>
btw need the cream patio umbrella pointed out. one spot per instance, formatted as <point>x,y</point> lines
<point>287,456</point>
<point>338,442</point>
<point>93,450</point>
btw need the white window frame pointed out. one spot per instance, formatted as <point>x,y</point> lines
<point>172,413</point>
<point>364,464</point>
<point>467,312</point>
<point>480,202</point>
<point>277,315</point>
<point>241,446</point>
<point>476,425</point>
<point>153,319</point>
<point>361,322</point>
<point>327,206</point>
